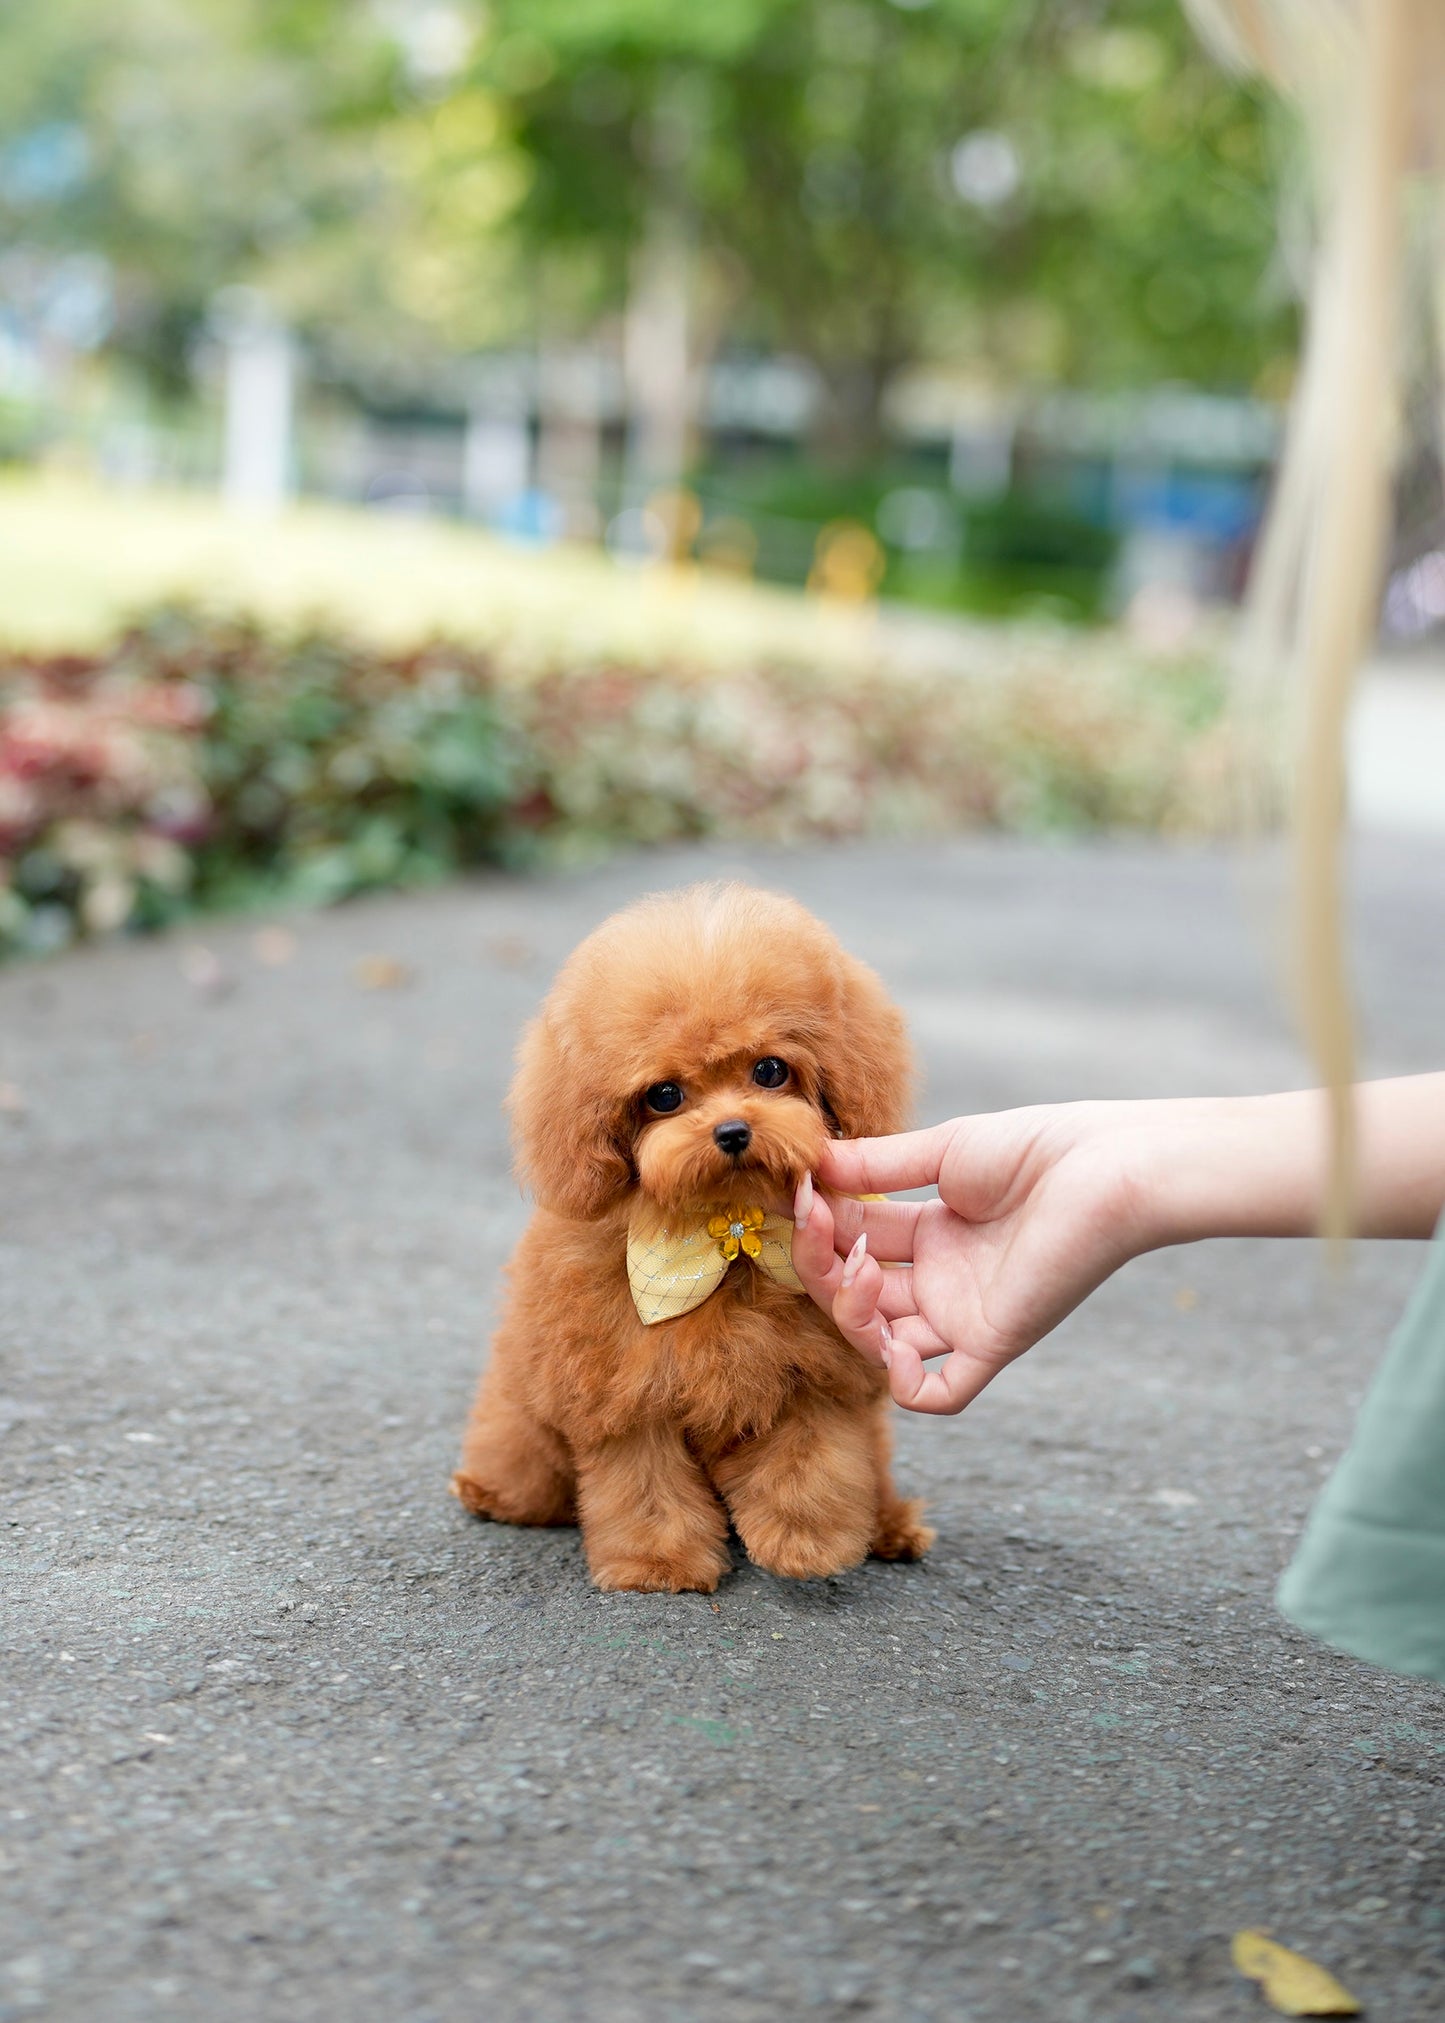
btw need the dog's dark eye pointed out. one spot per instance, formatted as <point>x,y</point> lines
<point>663,1096</point>
<point>770,1073</point>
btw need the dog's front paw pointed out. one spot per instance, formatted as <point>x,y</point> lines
<point>901,1532</point>
<point>652,1573</point>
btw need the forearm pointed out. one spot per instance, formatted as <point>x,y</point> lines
<point>1255,1165</point>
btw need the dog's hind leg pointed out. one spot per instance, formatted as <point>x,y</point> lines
<point>513,1467</point>
<point>899,1531</point>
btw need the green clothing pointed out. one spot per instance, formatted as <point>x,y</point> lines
<point>1369,1576</point>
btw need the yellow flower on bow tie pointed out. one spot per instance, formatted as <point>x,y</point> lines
<point>673,1269</point>
<point>738,1230</point>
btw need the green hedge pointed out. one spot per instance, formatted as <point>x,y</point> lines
<point>205,763</point>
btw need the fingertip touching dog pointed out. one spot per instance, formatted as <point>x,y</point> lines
<point>659,1371</point>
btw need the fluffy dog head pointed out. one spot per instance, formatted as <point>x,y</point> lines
<point>698,1049</point>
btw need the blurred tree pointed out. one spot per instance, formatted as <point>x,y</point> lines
<point>322,151</point>
<point>1045,188</point>
<point>1060,190</point>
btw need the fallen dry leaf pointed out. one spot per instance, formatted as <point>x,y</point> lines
<point>273,946</point>
<point>510,951</point>
<point>381,972</point>
<point>203,970</point>
<point>1289,1982</point>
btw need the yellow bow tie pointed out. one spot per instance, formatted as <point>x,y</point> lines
<point>672,1271</point>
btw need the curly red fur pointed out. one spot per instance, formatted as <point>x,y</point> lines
<point>753,1398</point>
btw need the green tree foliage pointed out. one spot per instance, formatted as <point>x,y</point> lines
<point>816,147</point>
<point>291,146</point>
<point>1044,188</point>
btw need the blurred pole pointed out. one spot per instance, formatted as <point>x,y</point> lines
<point>496,462</point>
<point>657,337</point>
<point>260,382</point>
<point>497,451</point>
<point>981,454</point>
<point>569,440</point>
<point>657,362</point>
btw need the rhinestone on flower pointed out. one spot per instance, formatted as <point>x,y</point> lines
<point>738,1231</point>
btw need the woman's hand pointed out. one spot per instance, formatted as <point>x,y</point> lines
<point>1035,1208</point>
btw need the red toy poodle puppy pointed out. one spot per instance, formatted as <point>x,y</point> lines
<point>659,1370</point>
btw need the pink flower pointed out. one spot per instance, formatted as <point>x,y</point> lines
<point>177,705</point>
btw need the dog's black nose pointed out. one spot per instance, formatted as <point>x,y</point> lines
<point>733,1137</point>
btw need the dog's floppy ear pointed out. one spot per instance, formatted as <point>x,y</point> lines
<point>571,1143</point>
<point>868,1070</point>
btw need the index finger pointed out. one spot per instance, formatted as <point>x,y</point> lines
<point>875,1165</point>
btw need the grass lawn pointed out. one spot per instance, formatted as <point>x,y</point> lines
<point>566,707</point>
<point>77,561</point>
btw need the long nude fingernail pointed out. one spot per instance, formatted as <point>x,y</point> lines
<point>854,1258</point>
<point>803,1202</point>
<point>885,1343</point>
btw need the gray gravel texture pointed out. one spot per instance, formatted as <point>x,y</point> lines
<point>288,1736</point>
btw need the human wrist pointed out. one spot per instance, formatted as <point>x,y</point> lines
<point>1231,1166</point>
<point>1181,1169</point>
<point>1130,1152</point>
<point>1149,1193</point>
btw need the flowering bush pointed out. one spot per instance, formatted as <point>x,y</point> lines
<point>94,766</point>
<point>204,762</point>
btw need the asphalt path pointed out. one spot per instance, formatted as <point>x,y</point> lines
<point>286,1735</point>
